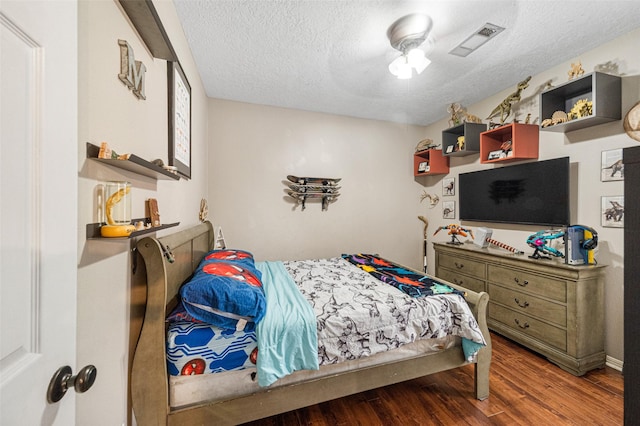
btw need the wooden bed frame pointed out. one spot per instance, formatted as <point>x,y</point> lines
<point>169,261</point>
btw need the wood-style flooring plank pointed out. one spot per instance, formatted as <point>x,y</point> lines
<point>526,389</point>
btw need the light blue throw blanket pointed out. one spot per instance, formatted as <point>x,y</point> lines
<point>287,335</point>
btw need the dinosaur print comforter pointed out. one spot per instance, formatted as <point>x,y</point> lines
<point>358,315</point>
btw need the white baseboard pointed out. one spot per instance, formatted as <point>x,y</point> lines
<point>616,364</point>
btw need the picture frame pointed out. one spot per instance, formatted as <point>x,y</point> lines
<point>612,211</point>
<point>448,209</point>
<point>423,166</point>
<point>611,168</point>
<point>448,187</point>
<point>179,92</point>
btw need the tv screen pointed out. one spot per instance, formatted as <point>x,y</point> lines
<point>532,193</point>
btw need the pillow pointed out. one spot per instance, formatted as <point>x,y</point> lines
<point>230,255</point>
<point>225,294</point>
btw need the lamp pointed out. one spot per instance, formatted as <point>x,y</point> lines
<point>406,35</point>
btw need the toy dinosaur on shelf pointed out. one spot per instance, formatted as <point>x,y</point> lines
<point>503,110</point>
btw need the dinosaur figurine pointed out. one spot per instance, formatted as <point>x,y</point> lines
<point>504,109</point>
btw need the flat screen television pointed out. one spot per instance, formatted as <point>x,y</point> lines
<point>534,193</point>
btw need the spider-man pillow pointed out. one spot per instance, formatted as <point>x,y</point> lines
<point>240,257</point>
<point>227,294</point>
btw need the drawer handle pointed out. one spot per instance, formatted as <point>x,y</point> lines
<point>459,265</point>
<point>523,326</point>
<point>522,305</point>
<point>456,281</point>
<point>521,284</point>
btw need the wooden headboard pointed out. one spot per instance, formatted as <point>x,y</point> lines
<point>171,260</point>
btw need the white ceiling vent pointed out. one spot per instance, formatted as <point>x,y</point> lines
<point>477,39</point>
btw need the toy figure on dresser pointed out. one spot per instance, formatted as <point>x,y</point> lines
<point>483,239</point>
<point>454,231</point>
<point>539,241</point>
<point>504,109</point>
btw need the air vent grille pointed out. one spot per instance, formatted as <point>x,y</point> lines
<point>477,39</point>
<point>486,31</point>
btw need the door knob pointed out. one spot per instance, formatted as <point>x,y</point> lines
<point>63,379</point>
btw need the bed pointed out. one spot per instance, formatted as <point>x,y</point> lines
<point>161,398</point>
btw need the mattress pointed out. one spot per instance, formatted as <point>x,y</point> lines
<point>185,391</point>
<point>197,348</point>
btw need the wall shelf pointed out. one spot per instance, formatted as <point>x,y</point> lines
<point>93,230</point>
<point>145,19</point>
<point>524,142</point>
<point>133,164</point>
<point>471,133</point>
<point>433,160</point>
<point>603,90</point>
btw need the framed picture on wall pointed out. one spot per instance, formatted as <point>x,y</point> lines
<point>179,119</point>
<point>612,211</point>
<point>448,186</point>
<point>612,167</point>
<point>448,209</point>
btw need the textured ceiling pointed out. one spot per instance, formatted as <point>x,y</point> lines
<point>332,55</point>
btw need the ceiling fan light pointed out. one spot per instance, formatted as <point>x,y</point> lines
<point>404,72</point>
<point>394,65</point>
<point>400,67</point>
<point>418,60</point>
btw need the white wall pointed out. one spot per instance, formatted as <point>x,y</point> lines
<point>108,111</point>
<point>253,148</point>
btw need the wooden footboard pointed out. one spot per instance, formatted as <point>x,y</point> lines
<point>169,261</point>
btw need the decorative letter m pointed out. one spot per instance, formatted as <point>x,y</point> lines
<point>131,71</point>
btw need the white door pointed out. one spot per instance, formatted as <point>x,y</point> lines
<point>38,210</point>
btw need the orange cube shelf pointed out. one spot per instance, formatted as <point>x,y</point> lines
<point>430,162</point>
<point>524,142</point>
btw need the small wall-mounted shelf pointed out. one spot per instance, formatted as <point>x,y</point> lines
<point>524,143</point>
<point>145,19</point>
<point>470,132</point>
<point>603,90</point>
<point>133,164</point>
<point>304,188</point>
<point>430,162</point>
<point>93,230</point>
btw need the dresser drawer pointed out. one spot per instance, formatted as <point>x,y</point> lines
<point>546,333</point>
<point>529,282</point>
<point>529,305</point>
<point>461,264</point>
<point>465,281</point>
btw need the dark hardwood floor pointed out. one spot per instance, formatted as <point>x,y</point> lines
<point>526,389</point>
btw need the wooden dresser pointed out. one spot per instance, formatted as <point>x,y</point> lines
<point>548,306</point>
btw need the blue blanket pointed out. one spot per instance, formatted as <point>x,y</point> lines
<point>287,335</point>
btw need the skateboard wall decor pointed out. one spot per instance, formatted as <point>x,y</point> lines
<point>304,188</point>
